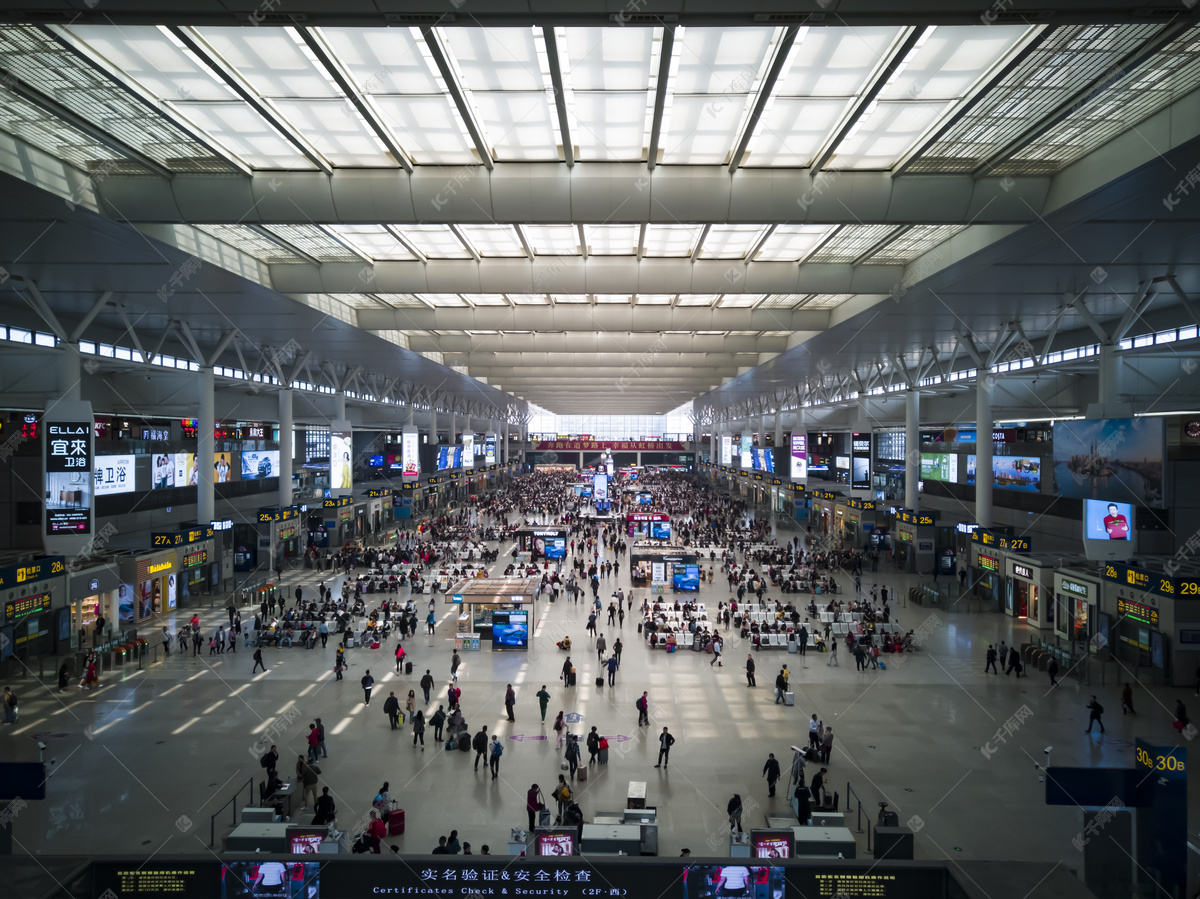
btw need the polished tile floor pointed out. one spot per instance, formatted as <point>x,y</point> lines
<point>142,763</point>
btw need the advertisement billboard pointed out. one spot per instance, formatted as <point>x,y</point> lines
<point>939,467</point>
<point>409,455</point>
<point>341,469</point>
<point>600,488</point>
<point>1117,459</point>
<point>1011,472</point>
<point>860,452</point>
<point>162,471</point>
<point>114,474</point>
<point>726,449</point>
<point>510,630</point>
<point>489,449</point>
<point>468,450</point>
<point>258,464</point>
<point>223,467</point>
<point>746,460</point>
<point>185,469</point>
<point>799,456</point>
<point>1107,529</point>
<point>69,476</point>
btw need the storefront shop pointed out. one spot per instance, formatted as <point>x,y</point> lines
<point>987,576</point>
<point>1027,591</point>
<point>858,521</point>
<point>825,511</point>
<point>499,610</point>
<point>92,593</point>
<point>149,587</point>
<point>33,594</point>
<point>1076,595</point>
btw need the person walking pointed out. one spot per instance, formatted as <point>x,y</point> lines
<point>399,657</point>
<point>734,809</point>
<point>391,708</point>
<point>314,743</point>
<point>418,725</point>
<point>455,661</point>
<point>593,746</point>
<point>323,630</point>
<point>616,650</point>
<point>572,755</point>
<point>427,684</point>
<point>750,670</point>
<point>601,645</point>
<point>339,662</point>
<point>1052,670</point>
<point>643,707</point>
<point>716,648</point>
<point>1002,654</point>
<point>560,728</point>
<point>991,660</point>
<point>258,660</point>
<point>367,683</point>
<point>833,645</point>
<point>780,686</point>
<point>510,700</point>
<point>611,665</point>
<point>827,745</point>
<point>543,699</point>
<point>307,775</point>
<point>771,772</point>
<point>1127,700</point>
<point>410,705</point>
<point>321,739</point>
<point>1095,711</point>
<point>665,742</point>
<point>1014,662</point>
<point>497,750</point>
<point>480,744</point>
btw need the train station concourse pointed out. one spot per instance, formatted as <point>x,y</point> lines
<point>612,438</point>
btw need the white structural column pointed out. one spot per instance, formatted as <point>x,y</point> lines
<point>339,407</point>
<point>206,421</point>
<point>411,416</point>
<point>912,448</point>
<point>433,438</point>
<point>983,451</point>
<point>778,428</point>
<point>285,447</point>
<point>452,437</point>
<point>69,372</point>
<point>504,444</point>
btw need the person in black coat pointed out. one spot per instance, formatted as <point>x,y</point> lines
<point>771,770</point>
<point>750,670</point>
<point>326,810</point>
<point>391,707</point>
<point>734,810</point>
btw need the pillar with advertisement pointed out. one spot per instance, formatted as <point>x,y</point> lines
<point>68,491</point>
<point>341,458</point>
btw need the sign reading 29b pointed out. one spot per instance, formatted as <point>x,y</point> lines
<point>69,481</point>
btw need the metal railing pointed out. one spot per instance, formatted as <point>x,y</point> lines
<point>858,811</point>
<point>212,821</point>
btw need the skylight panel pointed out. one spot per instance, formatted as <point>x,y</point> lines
<point>612,240</point>
<point>553,240</point>
<point>671,240</point>
<point>791,243</point>
<point>493,240</point>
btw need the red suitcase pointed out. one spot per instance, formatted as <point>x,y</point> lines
<point>395,821</point>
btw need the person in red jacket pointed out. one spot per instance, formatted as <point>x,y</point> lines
<point>376,831</point>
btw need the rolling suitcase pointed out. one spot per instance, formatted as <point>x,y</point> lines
<point>789,698</point>
<point>571,679</point>
<point>602,756</point>
<point>464,742</point>
<point>599,682</point>
<point>395,824</point>
<point>581,773</point>
<point>408,667</point>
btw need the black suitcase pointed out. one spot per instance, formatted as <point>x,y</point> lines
<point>464,742</point>
<point>599,682</point>
<point>408,667</point>
<point>571,679</point>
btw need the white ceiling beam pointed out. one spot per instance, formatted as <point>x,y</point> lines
<point>560,99</point>
<point>660,94</point>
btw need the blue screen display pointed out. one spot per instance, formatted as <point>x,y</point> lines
<point>510,630</point>
<point>686,577</point>
<point>660,530</point>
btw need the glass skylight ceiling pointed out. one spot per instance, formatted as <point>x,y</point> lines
<point>791,243</point>
<point>493,240</point>
<point>168,92</point>
<point>851,241</point>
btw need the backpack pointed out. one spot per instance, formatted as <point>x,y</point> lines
<point>564,793</point>
<point>1097,709</point>
<point>497,749</point>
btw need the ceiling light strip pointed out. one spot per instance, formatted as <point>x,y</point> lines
<point>458,94</point>
<point>337,72</point>
<point>560,98</point>
<point>764,94</point>
<point>660,94</point>
<point>893,66</point>
<point>206,55</point>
